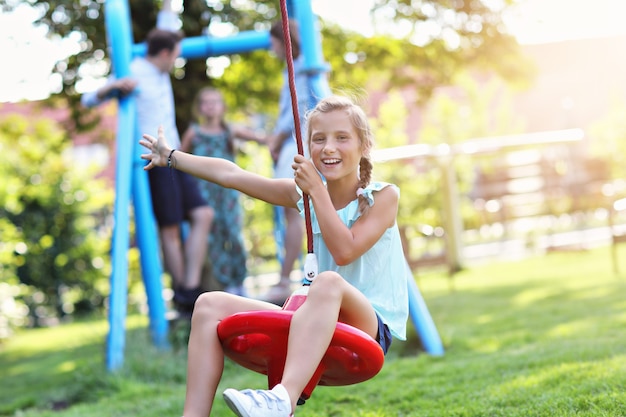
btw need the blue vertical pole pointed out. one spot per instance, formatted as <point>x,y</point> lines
<point>423,322</point>
<point>130,180</point>
<point>118,30</point>
<point>148,244</point>
<point>312,47</point>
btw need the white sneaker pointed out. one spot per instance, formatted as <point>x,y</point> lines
<point>259,403</point>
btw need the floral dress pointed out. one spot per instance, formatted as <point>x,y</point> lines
<point>226,248</point>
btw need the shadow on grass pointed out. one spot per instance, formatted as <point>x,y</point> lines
<point>543,337</point>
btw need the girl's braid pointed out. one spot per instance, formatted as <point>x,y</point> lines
<point>365,176</point>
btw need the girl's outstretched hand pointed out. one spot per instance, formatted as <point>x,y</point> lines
<point>158,148</point>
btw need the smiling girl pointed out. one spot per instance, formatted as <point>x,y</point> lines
<point>363,274</point>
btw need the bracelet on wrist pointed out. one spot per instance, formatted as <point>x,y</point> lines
<point>169,158</point>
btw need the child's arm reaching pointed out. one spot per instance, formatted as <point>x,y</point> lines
<point>280,192</point>
<point>250,135</point>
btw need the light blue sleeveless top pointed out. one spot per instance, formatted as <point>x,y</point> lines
<point>380,274</point>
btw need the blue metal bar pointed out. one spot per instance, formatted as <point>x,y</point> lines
<point>423,322</point>
<point>310,39</point>
<point>130,181</point>
<point>312,48</point>
<point>148,244</point>
<point>117,18</point>
<point>206,46</point>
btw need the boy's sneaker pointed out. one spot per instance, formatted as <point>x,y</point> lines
<point>259,403</point>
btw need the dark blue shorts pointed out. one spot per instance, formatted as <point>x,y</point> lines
<point>174,195</point>
<point>383,337</point>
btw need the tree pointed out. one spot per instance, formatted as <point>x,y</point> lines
<point>55,239</point>
<point>461,35</point>
<point>441,38</point>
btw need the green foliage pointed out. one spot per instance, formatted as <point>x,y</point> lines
<point>470,35</point>
<point>53,211</point>
<point>517,343</point>
<point>417,179</point>
<point>453,33</point>
<point>479,109</point>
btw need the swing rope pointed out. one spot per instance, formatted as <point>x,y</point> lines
<point>296,118</point>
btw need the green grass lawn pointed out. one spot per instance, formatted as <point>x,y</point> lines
<point>540,337</point>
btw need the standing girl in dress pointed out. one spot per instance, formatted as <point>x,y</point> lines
<point>363,273</point>
<point>212,136</point>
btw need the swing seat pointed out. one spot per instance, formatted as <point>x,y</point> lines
<point>257,340</point>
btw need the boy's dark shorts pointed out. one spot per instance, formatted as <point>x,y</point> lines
<point>174,195</point>
<point>384,335</point>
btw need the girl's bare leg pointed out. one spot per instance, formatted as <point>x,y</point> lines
<point>330,299</point>
<point>205,361</point>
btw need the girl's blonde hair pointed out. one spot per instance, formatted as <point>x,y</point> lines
<point>359,121</point>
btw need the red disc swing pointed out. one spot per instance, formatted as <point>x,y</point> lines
<point>257,340</point>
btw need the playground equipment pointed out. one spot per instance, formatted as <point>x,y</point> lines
<point>257,340</point>
<point>132,182</point>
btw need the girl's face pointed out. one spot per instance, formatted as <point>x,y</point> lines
<point>335,146</point>
<point>211,104</point>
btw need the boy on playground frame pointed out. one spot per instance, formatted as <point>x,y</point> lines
<point>175,196</point>
<point>363,278</point>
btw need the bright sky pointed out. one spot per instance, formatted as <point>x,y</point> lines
<point>29,56</point>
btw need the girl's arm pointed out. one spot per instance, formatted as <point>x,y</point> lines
<point>347,244</point>
<point>280,191</point>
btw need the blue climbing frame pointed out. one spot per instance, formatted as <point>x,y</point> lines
<point>132,182</point>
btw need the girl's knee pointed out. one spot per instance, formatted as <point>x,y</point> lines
<point>328,283</point>
<point>211,303</point>
<point>328,277</point>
